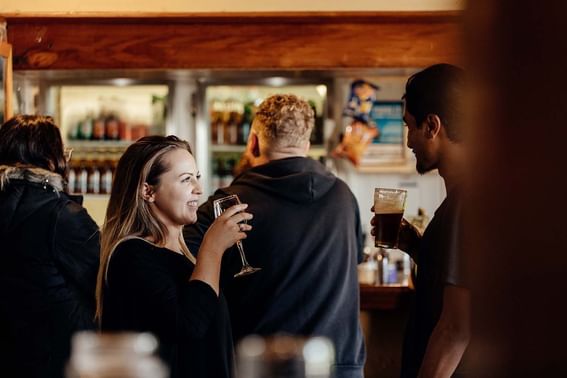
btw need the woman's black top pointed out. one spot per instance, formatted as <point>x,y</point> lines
<point>148,290</point>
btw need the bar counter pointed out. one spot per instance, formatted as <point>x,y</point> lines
<point>384,312</point>
<point>374,297</point>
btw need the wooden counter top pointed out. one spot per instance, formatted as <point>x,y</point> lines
<point>384,297</point>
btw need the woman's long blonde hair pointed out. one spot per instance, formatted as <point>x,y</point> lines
<point>128,214</point>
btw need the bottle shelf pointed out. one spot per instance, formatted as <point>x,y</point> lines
<point>99,144</point>
<point>228,147</point>
<point>387,168</point>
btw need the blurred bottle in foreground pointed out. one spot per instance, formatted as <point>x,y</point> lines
<point>284,356</point>
<point>125,355</point>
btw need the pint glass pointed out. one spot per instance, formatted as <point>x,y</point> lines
<point>389,207</point>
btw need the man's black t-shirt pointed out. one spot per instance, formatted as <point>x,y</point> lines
<point>438,265</point>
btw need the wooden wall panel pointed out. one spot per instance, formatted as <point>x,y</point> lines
<point>257,41</point>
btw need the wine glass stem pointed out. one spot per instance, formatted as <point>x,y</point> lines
<point>242,256</point>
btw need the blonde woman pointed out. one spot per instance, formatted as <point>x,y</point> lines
<point>148,280</point>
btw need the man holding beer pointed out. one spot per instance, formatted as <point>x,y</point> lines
<point>438,330</point>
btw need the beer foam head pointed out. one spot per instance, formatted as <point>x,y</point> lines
<point>389,200</point>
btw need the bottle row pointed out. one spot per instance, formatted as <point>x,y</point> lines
<point>380,268</point>
<point>106,127</point>
<point>231,121</point>
<point>95,175</point>
<point>91,176</point>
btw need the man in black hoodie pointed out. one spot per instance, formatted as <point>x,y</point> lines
<point>307,239</point>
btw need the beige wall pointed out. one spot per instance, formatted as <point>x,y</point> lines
<point>71,6</point>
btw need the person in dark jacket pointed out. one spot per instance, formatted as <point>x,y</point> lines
<point>148,280</point>
<point>307,239</point>
<point>49,252</point>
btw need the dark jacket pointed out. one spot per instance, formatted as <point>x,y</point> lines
<point>49,256</point>
<point>307,239</point>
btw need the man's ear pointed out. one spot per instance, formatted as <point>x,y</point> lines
<point>148,193</point>
<point>432,126</point>
<point>253,145</point>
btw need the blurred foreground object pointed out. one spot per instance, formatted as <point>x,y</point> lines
<point>284,356</point>
<point>125,355</point>
<point>516,202</point>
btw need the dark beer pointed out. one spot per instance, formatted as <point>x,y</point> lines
<point>387,227</point>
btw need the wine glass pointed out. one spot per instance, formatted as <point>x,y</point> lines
<point>219,207</point>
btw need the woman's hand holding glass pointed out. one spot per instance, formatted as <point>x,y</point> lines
<point>220,206</point>
<point>226,230</point>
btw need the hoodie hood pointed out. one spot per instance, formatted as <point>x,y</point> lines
<point>296,179</point>
<point>18,188</point>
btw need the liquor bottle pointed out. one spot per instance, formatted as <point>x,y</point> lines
<point>244,126</point>
<point>73,133</point>
<point>124,130</point>
<point>71,180</point>
<point>235,110</point>
<point>223,135</point>
<point>216,121</point>
<point>86,128</point>
<point>383,266</point>
<point>99,128</point>
<point>217,131</point>
<point>106,178</point>
<point>93,185</point>
<point>82,178</point>
<point>214,130</point>
<point>112,128</point>
<point>232,130</point>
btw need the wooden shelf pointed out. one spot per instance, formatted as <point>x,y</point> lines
<point>99,144</point>
<point>228,147</point>
<point>386,168</point>
<point>384,297</point>
<point>314,151</point>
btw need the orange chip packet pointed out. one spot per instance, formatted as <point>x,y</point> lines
<point>356,139</point>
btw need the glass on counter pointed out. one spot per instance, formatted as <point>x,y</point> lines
<point>383,267</point>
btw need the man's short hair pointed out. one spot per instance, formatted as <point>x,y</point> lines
<point>439,90</point>
<point>284,120</point>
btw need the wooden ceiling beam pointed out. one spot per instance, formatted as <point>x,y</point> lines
<point>308,40</point>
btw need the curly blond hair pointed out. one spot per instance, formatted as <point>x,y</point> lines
<point>284,120</point>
